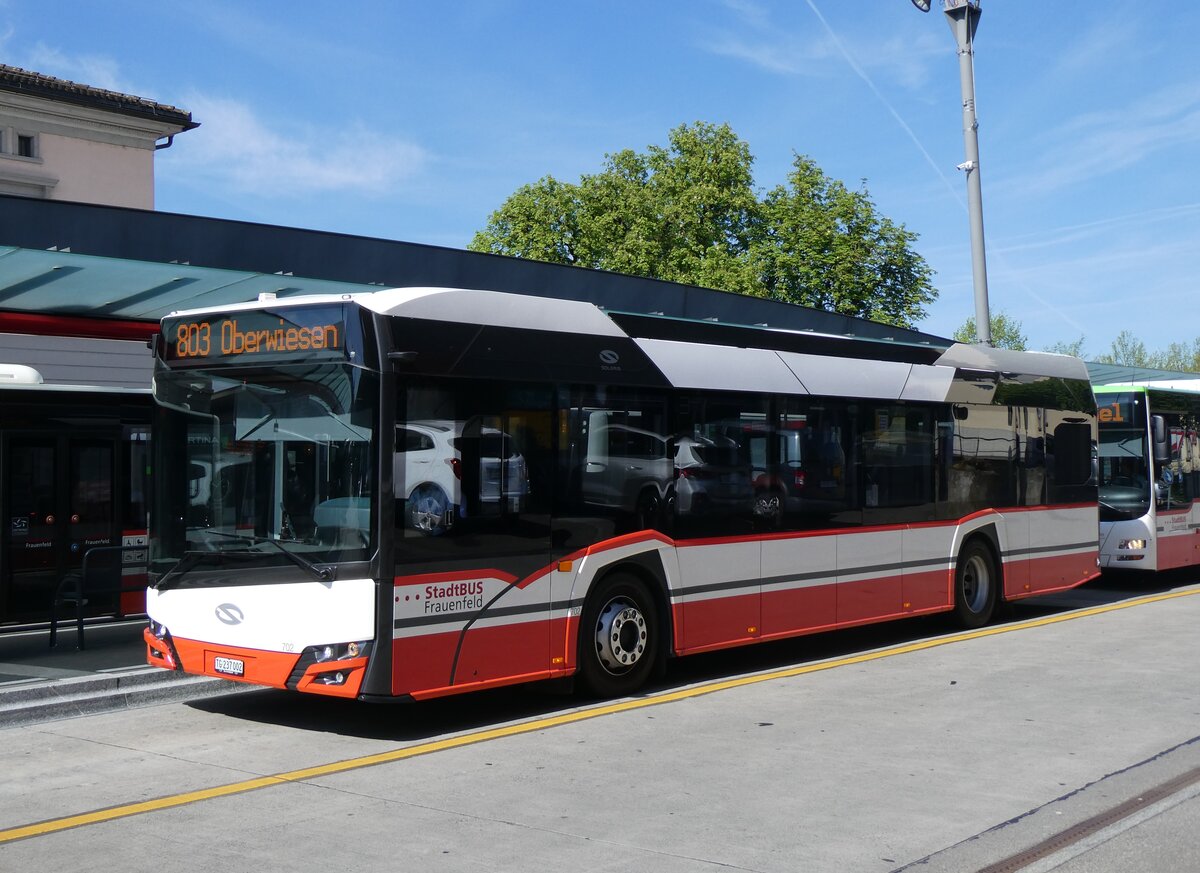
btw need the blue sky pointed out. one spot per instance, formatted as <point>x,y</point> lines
<point>414,120</point>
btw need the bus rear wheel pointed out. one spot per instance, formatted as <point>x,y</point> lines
<point>618,637</point>
<point>976,583</point>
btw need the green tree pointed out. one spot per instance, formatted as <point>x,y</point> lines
<point>1075,349</point>
<point>1006,332</point>
<point>1127,351</point>
<point>1178,356</point>
<point>690,213</point>
<point>822,245</point>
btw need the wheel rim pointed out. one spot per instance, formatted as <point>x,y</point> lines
<point>621,636</point>
<point>767,505</point>
<point>976,583</point>
<point>427,511</point>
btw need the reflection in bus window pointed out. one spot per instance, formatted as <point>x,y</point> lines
<point>470,461</point>
<point>714,487</point>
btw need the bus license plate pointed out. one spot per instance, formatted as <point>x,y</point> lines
<point>229,666</point>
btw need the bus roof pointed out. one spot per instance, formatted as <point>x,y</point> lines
<point>696,351</point>
<point>1179,387</point>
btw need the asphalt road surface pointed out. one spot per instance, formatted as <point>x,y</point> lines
<point>1065,738</point>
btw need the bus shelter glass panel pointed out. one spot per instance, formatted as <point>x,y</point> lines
<point>34,539</point>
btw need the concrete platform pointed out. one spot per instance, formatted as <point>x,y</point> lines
<point>40,683</point>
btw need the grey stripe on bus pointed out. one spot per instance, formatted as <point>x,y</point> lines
<point>731,585</point>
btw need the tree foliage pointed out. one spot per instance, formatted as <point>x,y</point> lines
<point>690,213</point>
<point>1075,349</point>
<point>1006,332</point>
<point>1129,351</point>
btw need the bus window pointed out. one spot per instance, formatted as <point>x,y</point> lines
<point>471,461</point>
<point>807,473</point>
<point>618,460</point>
<point>981,472</point>
<point>714,488</point>
<point>896,448</point>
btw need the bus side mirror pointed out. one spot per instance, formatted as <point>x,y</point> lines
<point>1162,448</point>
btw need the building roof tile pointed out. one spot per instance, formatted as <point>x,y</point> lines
<point>17,80</point>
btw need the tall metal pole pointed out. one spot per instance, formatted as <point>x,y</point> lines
<point>963,17</point>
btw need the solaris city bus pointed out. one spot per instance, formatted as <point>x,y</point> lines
<point>1149,474</point>
<point>423,491</point>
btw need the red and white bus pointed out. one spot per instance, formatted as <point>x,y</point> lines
<point>424,491</point>
<point>1149,474</point>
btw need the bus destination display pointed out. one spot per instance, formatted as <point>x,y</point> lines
<point>255,335</point>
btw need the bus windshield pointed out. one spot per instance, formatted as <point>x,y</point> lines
<point>274,466</point>
<point>1124,473</point>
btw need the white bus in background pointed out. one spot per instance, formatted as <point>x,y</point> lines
<point>1148,471</point>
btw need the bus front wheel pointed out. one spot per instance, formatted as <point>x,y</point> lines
<point>976,581</point>
<point>618,637</point>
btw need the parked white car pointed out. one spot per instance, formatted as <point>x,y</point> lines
<point>429,472</point>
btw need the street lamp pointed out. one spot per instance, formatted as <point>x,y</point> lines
<point>963,17</point>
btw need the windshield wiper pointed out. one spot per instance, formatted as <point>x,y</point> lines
<point>321,574</point>
<point>189,560</point>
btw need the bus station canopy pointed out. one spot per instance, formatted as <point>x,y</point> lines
<point>1118,374</point>
<point>114,265</point>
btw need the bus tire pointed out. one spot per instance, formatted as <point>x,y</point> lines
<point>618,636</point>
<point>976,584</point>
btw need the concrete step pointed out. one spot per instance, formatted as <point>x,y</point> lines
<point>105,692</point>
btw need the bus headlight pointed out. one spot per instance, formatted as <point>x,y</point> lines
<point>1132,544</point>
<point>339,651</point>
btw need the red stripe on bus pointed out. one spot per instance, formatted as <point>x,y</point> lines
<point>454,576</point>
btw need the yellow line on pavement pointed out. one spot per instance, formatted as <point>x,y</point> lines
<point>293,776</point>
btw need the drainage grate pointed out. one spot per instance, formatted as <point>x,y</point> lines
<point>1096,823</point>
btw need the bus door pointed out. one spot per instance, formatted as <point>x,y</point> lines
<point>60,499</point>
<point>473,479</point>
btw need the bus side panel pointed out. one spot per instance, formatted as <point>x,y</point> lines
<point>870,585</point>
<point>471,627</point>
<point>422,661</point>
<point>720,596</point>
<point>799,584</point>
<point>515,642</point>
<point>502,650</point>
<point>1178,538</point>
<point>1063,548</point>
<point>928,567</point>
<point>1014,529</point>
<point>444,661</point>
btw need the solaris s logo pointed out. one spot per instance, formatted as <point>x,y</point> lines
<point>610,360</point>
<point>229,613</point>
